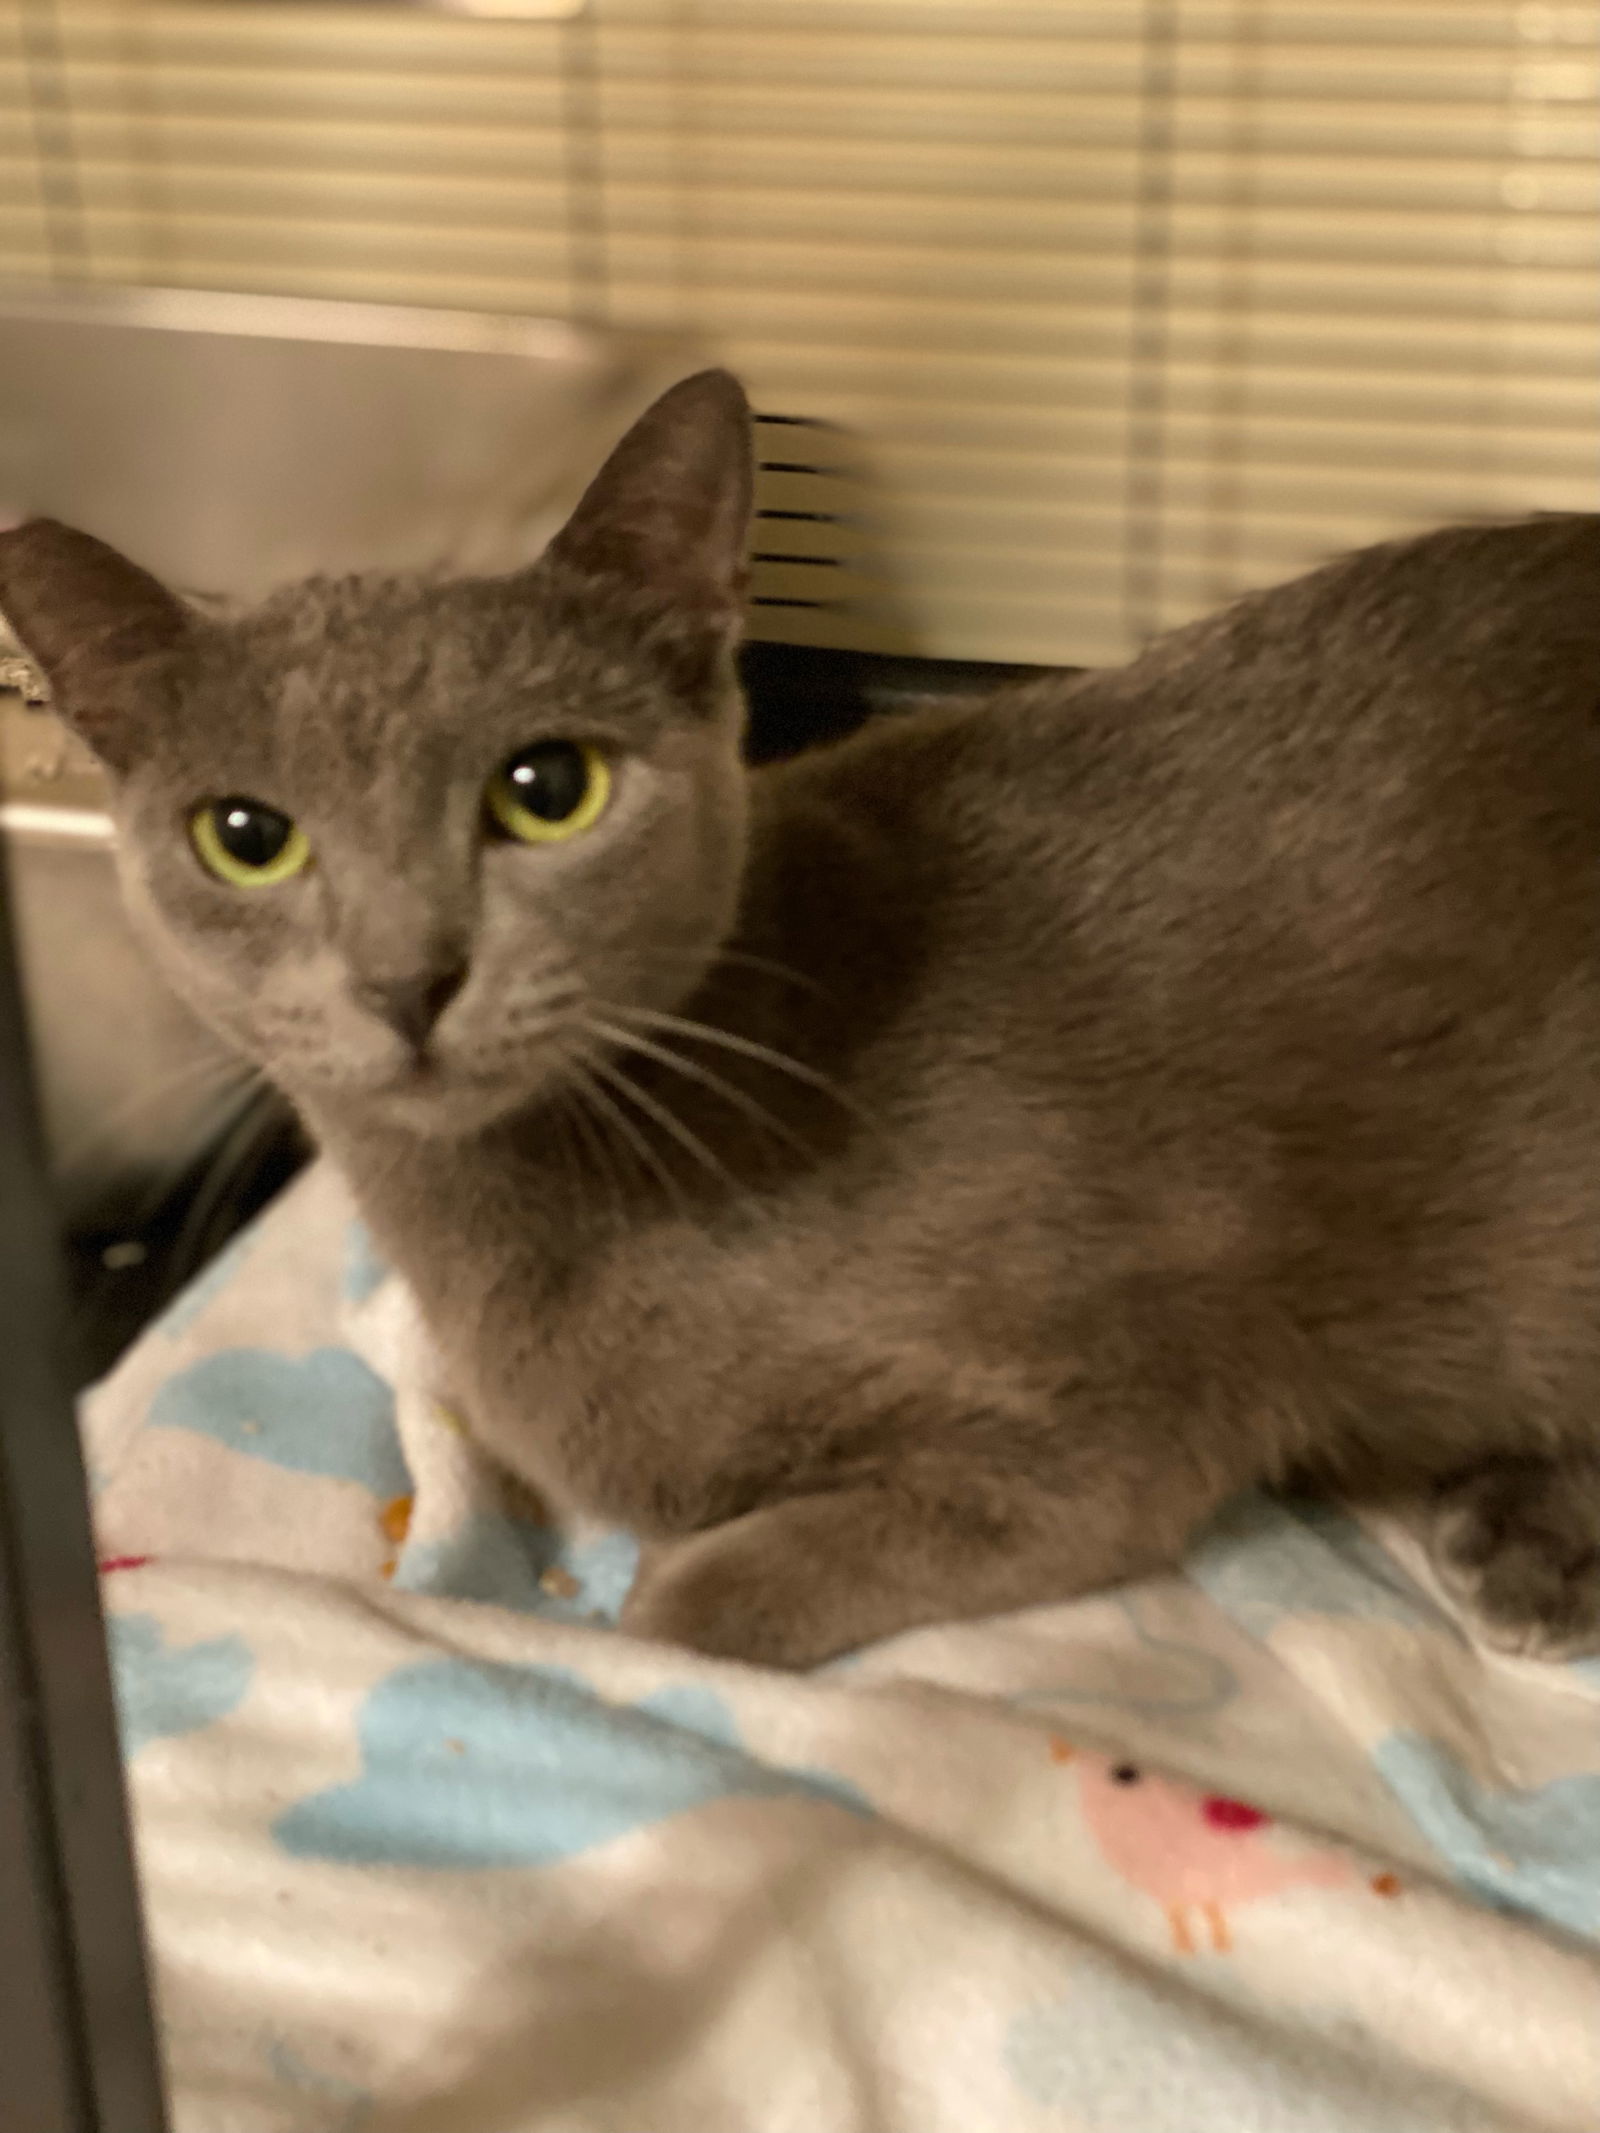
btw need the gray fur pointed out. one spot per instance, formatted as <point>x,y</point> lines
<point>1109,1095</point>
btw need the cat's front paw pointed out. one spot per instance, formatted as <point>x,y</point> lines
<point>1516,1541</point>
<point>724,1593</point>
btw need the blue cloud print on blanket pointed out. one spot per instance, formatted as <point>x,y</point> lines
<point>1535,1850</point>
<point>1267,1560</point>
<point>508,1561</point>
<point>471,1765</point>
<point>329,1416</point>
<point>325,1413</point>
<point>165,1690</point>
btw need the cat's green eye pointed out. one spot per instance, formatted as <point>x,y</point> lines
<point>552,790</point>
<point>246,844</point>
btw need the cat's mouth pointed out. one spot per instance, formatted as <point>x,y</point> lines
<point>429,1104</point>
<point>434,1089</point>
<point>432,1096</point>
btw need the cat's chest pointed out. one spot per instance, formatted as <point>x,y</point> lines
<point>623,1384</point>
<point>664,1369</point>
<point>612,1370</point>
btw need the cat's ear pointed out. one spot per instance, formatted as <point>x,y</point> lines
<point>102,631</point>
<point>665,519</point>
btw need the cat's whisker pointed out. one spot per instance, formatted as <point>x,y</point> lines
<point>773,968</point>
<point>745,960</point>
<point>585,1129</point>
<point>747,1047</point>
<point>543,1011</point>
<point>691,1143</point>
<point>253,1116</point>
<point>591,1133</point>
<point>717,1083</point>
<point>609,1109</point>
<point>206,1078</point>
<point>572,1154</point>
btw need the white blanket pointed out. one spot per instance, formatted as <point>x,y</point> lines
<point>429,1848</point>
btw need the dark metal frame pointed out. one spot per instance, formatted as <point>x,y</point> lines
<point>78,2051</point>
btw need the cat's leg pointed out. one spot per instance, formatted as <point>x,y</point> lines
<point>1516,1540</point>
<point>934,1538</point>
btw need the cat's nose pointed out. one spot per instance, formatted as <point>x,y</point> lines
<point>412,1001</point>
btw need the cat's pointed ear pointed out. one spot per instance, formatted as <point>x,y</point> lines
<point>98,627</point>
<point>666,517</point>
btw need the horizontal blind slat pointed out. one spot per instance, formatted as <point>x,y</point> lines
<point>924,222</point>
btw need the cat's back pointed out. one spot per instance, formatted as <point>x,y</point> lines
<point>1391,764</point>
<point>1297,911</point>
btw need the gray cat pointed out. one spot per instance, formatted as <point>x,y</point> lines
<point>927,1177</point>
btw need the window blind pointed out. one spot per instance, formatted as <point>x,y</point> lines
<point>1090,313</point>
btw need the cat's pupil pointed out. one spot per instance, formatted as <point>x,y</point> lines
<point>550,779</point>
<point>1125,1774</point>
<point>250,833</point>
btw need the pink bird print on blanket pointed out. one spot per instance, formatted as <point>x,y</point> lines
<point>1188,1851</point>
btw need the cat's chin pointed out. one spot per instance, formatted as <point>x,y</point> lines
<point>426,1106</point>
<point>456,1116</point>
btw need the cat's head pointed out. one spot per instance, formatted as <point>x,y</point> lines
<point>404,842</point>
